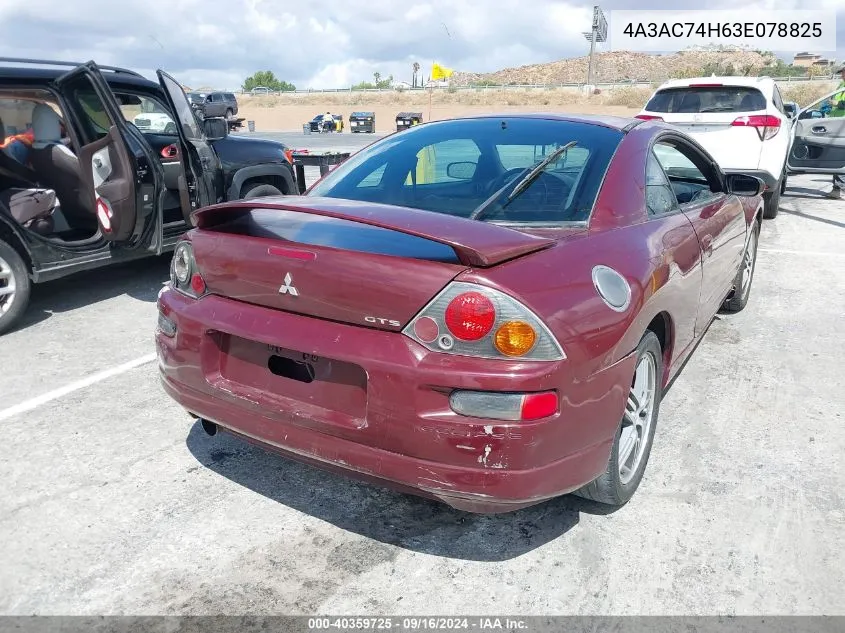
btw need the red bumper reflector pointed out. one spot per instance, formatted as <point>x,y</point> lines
<point>539,405</point>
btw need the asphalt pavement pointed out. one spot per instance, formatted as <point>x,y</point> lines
<point>115,502</point>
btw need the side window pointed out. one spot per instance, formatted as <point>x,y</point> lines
<point>659,196</point>
<point>147,114</point>
<point>373,179</point>
<point>778,101</point>
<point>454,160</point>
<point>15,115</point>
<point>688,181</point>
<point>89,108</point>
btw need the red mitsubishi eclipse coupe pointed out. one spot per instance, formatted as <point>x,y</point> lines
<point>485,310</point>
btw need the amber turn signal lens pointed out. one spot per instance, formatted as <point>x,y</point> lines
<point>515,338</point>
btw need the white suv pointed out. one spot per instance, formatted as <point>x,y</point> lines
<point>740,121</point>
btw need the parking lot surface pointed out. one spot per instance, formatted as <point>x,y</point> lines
<point>116,502</point>
<point>316,143</point>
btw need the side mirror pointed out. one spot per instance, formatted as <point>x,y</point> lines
<point>743,185</point>
<point>215,128</point>
<point>461,171</point>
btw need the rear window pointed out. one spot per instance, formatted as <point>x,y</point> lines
<point>707,99</point>
<point>452,167</point>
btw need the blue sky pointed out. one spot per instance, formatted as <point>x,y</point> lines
<point>322,44</point>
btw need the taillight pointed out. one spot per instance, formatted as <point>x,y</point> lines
<point>767,125</point>
<point>649,117</point>
<point>184,274</point>
<point>473,320</point>
<point>289,155</point>
<point>470,316</point>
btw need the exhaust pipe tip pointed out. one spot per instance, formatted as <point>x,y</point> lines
<point>210,428</point>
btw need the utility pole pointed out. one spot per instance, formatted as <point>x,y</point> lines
<point>598,33</point>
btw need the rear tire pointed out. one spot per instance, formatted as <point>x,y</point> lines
<point>625,468</point>
<point>14,273</point>
<point>259,190</point>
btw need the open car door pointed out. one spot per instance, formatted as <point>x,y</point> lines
<point>200,160</point>
<point>120,173</point>
<point>818,137</point>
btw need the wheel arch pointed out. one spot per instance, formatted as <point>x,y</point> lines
<point>12,235</point>
<point>663,328</point>
<point>276,175</point>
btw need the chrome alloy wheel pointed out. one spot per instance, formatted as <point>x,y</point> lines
<point>638,418</point>
<point>7,286</point>
<point>748,264</point>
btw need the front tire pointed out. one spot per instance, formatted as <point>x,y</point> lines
<point>745,274</point>
<point>635,433</point>
<point>259,190</point>
<point>15,286</point>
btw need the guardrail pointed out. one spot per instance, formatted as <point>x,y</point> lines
<point>551,86</point>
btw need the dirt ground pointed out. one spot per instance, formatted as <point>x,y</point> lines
<point>291,117</point>
<point>290,112</point>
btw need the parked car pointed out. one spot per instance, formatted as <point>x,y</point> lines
<point>486,311</point>
<point>316,123</point>
<point>214,104</point>
<point>741,121</point>
<point>157,122</point>
<point>99,190</point>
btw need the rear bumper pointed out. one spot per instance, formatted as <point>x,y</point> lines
<point>768,179</point>
<point>408,437</point>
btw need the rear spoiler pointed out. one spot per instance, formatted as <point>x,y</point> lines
<point>476,243</point>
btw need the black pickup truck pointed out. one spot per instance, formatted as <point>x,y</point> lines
<point>99,165</point>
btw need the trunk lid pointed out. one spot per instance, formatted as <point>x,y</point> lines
<point>353,262</point>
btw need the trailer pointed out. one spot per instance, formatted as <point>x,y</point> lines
<point>325,161</point>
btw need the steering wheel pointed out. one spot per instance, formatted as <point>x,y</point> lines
<point>499,182</point>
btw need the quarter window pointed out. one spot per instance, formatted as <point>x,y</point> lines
<point>660,198</point>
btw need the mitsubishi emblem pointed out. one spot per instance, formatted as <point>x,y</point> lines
<point>287,287</point>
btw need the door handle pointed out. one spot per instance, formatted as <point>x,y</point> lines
<point>819,129</point>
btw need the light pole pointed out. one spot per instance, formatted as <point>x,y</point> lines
<point>598,33</point>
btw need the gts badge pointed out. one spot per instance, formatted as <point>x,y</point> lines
<point>390,322</point>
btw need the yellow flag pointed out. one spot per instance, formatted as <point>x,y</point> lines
<point>439,72</point>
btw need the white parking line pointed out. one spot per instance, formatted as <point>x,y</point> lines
<point>32,403</point>
<point>808,253</point>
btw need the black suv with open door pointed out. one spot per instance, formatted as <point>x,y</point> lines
<point>99,165</point>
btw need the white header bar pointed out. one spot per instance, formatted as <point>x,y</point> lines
<point>665,31</point>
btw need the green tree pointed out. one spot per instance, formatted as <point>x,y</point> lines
<point>267,79</point>
<point>377,83</point>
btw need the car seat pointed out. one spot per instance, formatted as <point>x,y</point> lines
<point>57,168</point>
<point>31,208</point>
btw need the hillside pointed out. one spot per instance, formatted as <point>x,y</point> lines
<point>622,66</point>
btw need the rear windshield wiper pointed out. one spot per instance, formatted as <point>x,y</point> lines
<point>523,184</point>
